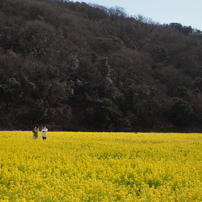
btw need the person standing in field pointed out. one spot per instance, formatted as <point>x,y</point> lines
<point>35,132</point>
<point>44,131</point>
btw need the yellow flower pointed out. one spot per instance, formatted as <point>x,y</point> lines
<point>76,166</point>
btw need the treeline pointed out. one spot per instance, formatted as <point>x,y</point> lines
<point>78,66</point>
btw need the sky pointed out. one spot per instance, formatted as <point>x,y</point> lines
<point>185,12</point>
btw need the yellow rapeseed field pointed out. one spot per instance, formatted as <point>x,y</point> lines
<point>102,167</point>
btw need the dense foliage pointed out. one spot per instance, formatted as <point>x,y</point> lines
<point>76,66</point>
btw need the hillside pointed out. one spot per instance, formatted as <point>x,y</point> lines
<point>80,67</point>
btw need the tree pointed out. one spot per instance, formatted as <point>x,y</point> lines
<point>10,90</point>
<point>181,112</point>
<point>38,112</point>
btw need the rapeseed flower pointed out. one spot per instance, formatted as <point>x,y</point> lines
<point>76,166</point>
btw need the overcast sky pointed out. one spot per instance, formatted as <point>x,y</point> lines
<point>186,12</point>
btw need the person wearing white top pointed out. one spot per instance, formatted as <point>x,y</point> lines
<point>44,131</point>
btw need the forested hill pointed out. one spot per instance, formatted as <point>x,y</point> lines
<point>80,67</point>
